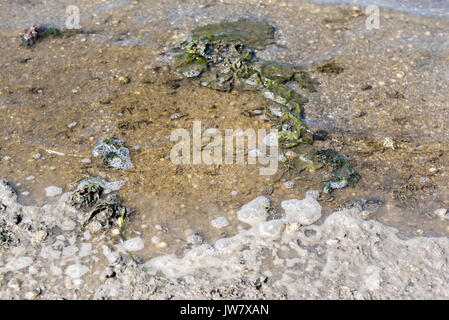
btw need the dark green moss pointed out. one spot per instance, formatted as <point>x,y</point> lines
<point>114,142</point>
<point>305,81</point>
<point>86,195</point>
<point>279,72</point>
<point>292,131</point>
<point>343,174</point>
<point>7,239</point>
<point>330,67</point>
<point>51,32</point>
<point>108,212</point>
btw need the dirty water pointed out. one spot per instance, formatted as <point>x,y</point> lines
<point>386,110</point>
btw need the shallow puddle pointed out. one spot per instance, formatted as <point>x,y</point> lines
<point>385,110</point>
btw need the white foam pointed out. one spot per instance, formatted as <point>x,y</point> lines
<point>305,211</point>
<point>53,191</point>
<point>255,211</point>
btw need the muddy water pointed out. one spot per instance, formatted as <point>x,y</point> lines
<point>387,111</point>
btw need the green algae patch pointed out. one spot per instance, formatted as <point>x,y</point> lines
<point>306,160</point>
<point>305,81</point>
<point>221,56</point>
<point>114,153</point>
<point>343,174</point>
<point>292,132</point>
<point>253,34</point>
<point>31,35</point>
<point>105,209</point>
<point>279,72</point>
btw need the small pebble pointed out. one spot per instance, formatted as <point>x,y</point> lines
<point>267,190</point>
<point>195,239</point>
<point>289,184</point>
<point>76,271</point>
<point>365,214</point>
<point>36,156</point>
<point>234,193</point>
<point>74,91</point>
<point>440,212</point>
<point>29,178</point>
<point>134,244</point>
<point>124,80</point>
<point>53,191</point>
<point>155,239</point>
<point>6,158</point>
<point>86,160</point>
<point>14,284</point>
<point>39,237</point>
<point>320,135</point>
<point>86,235</point>
<point>161,245</point>
<point>72,124</point>
<point>220,222</point>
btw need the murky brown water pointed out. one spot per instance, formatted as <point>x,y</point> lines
<point>393,86</point>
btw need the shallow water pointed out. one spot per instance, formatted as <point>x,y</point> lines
<point>437,8</point>
<point>58,82</point>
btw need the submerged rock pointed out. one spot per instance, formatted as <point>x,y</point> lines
<point>108,212</point>
<point>114,153</point>
<point>86,195</point>
<point>343,174</point>
<point>134,244</point>
<point>220,222</point>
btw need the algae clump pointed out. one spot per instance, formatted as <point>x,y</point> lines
<point>114,153</point>
<point>221,56</point>
<point>343,174</point>
<point>108,212</point>
<point>86,195</point>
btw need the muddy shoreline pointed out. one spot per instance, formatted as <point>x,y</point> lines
<point>386,110</point>
<point>346,257</point>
